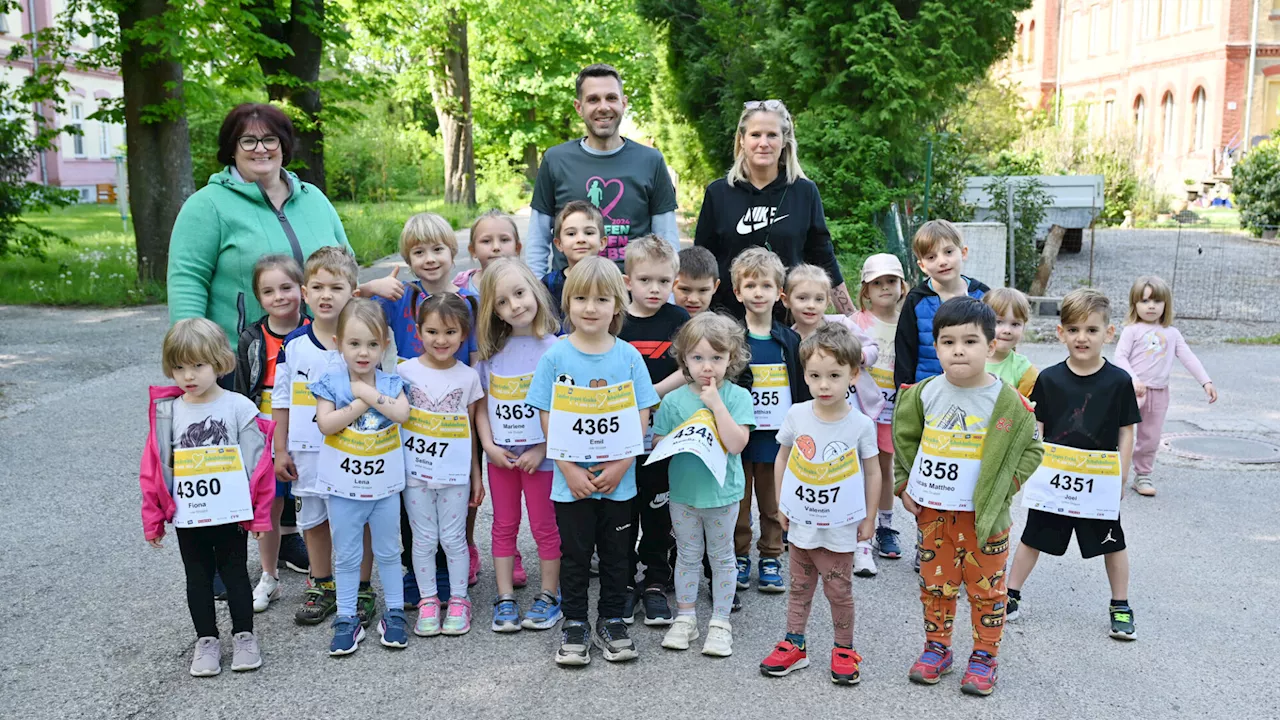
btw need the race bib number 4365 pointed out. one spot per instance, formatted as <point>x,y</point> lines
<point>589,424</point>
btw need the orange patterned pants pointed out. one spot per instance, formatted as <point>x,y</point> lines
<point>950,553</point>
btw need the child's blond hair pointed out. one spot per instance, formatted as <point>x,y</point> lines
<point>197,340</point>
<point>650,248</point>
<point>336,261</point>
<point>363,310</point>
<point>722,333</point>
<point>492,214</point>
<point>835,340</point>
<point>808,273</point>
<point>427,229</point>
<point>1160,290</point>
<point>1080,303</point>
<point>492,332</point>
<point>596,276</point>
<point>933,234</point>
<point>284,263</point>
<point>757,262</point>
<point>1008,300</point>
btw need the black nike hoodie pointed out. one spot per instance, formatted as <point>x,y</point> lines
<point>787,219</point>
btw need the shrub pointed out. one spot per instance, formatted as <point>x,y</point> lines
<point>1030,202</point>
<point>1256,182</point>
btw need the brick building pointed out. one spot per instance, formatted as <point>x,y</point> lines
<point>1174,73</point>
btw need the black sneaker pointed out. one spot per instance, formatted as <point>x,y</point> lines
<point>293,553</point>
<point>1012,608</point>
<point>219,588</point>
<point>366,606</point>
<point>614,641</point>
<point>656,609</point>
<point>318,603</point>
<point>629,607</point>
<point>1122,626</point>
<point>737,603</point>
<point>574,646</point>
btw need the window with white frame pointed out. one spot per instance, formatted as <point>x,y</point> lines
<point>1095,29</point>
<point>1198,111</point>
<point>4,23</point>
<point>1169,123</point>
<point>1184,14</point>
<point>77,122</point>
<point>1145,21</point>
<point>1115,26</point>
<point>1139,119</point>
<point>1206,12</point>
<point>1075,35</point>
<point>1108,117</point>
<point>1166,16</point>
<point>104,140</point>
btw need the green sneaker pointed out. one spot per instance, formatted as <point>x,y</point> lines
<point>318,603</point>
<point>366,606</point>
<point>1122,627</point>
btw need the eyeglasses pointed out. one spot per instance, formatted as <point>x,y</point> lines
<point>249,143</point>
<point>770,105</point>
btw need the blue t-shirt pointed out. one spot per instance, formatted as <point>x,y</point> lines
<point>567,364</point>
<point>401,318</point>
<point>763,445</point>
<point>335,387</point>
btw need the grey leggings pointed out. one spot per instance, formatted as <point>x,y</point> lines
<point>711,529</point>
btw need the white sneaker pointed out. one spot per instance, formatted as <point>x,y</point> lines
<point>719,639</point>
<point>864,561</point>
<point>268,589</point>
<point>683,631</point>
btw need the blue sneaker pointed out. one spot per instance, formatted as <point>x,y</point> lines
<point>442,583</point>
<point>770,579</point>
<point>411,596</point>
<point>347,634</point>
<point>219,588</point>
<point>506,614</point>
<point>392,629</point>
<point>887,543</point>
<point>744,572</point>
<point>544,613</point>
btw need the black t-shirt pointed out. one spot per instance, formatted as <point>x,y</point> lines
<point>1085,411</point>
<point>652,336</point>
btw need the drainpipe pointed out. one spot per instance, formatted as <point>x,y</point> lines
<point>1057,79</point>
<point>35,68</point>
<point>1253,61</point>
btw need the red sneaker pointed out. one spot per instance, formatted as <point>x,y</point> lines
<point>519,578</point>
<point>980,676</point>
<point>844,666</point>
<point>474,576</point>
<point>934,662</point>
<point>783,660</point>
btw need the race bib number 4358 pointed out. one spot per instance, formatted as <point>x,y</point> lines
<point>945,472</point>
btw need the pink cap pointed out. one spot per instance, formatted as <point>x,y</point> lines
<point>881,264</point>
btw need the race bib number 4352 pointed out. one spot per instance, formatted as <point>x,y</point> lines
<point>588,424</point>
<point>362,465</point>
<point>1076,483</point>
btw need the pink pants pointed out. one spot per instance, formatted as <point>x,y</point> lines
<point>1154,407</point>
<point>505,487</point>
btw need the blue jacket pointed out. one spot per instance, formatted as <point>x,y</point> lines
<point>915,357</point>
<point>401,317</point>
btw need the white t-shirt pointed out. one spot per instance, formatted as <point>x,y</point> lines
<point>829,439</point>
<point>440,391</point>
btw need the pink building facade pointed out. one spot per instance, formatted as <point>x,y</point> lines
<point>1173,74</point>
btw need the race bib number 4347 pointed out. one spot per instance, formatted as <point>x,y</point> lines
<point>437,447</point>
<point>1076,483</point>
<point>588,424</point>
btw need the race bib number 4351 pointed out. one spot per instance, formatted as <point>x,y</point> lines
<point>589,424</point>
<point>1076,483</point>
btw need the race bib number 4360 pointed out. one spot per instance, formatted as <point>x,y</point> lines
<point>210,486</point>
<point>1076,483</point>
<point>589,424</point>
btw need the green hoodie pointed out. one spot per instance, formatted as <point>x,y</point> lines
<point>1010,453</point>
<point>221,232</point>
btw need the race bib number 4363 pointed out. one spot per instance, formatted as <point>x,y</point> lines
<point>513,422</point>
<point>588,424</point>
<point>1076,483</point>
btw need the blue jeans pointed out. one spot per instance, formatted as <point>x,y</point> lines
<point>347,519</point>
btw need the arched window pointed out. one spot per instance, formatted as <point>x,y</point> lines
<point>1031,42</point>
<point>1197,118</point>
<point>1020,47</point>
<point>1139,120</point>
<point>1167,120</point>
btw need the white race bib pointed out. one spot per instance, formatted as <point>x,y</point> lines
<point>823,494</point>
<point>884,381</point>
<point>361,465</point>
<point>648,433</point>
<point>698,437</point>
<point>304,433</point>
<point>770,395</point>
<point>1076,483</point>
<point>945,472</point>
<point>210,486</point>
<point>590,424</point>
<point>514,423</point>
<point>437,447</point>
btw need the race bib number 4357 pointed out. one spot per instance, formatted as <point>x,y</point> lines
<point>823,494</point>
<point>588,424</point>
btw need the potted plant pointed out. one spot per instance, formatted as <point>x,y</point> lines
<point>1193,192</point>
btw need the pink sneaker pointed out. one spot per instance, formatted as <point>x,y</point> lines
<point>428,618</point>
<point>458,619</point>
<point>519,577</point>
<point>474,576</point>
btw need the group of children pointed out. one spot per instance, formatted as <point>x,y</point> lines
<point>639,431</point>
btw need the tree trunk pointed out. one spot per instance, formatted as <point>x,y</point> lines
<point>303,66</point>
<point>1048,257</point>
<point>451,95</point>
<point>531,153</point>
<point>159,159</point>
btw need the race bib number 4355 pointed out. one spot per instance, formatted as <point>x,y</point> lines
<point>589,424</point>
<point>770,395</point>
<point>1076,483</point>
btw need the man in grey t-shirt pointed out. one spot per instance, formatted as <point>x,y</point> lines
<point>626,180</point>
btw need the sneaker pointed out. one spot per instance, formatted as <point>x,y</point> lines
<point>268,589</point>
<point>683,631</point>
<point>457,620</point>
<point>785,659</point>
<point>574,649</point>
<point>347,634</point>
<point>1012,609</point>
<point>519,578</point>
<point>629,606</point>
<point>544,613</point>
<point>317,604</point>
<point>737,603</point>
<point>1143,485</point>
<point>428,618</point>
<point>411,595</point>
<point>293,554</point>
<point>980,677</point>
<point>719,639</point>
<point>245,654</point>
<point>786,544</point>
<point>844,666</point>
<point>474,576</point>
<point>887,543</point>
<point>366,605</point>
<point>770,580</point>
<point>1122,627</point>
<point>656,609</point>
<point>219,588</point>
<point>594,569</point>
<point>744,572</point>
<point>392,629</point>
<point>614,641</point>
<point>933,663</point>
<point>864,560</point>
<point>207,661</point>
<point>506,614</point>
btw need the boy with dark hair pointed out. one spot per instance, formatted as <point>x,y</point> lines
<point>697,281</point>
<point>579,233</point>
<point>964,443</point>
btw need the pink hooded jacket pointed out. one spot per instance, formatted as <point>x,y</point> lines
<point>868,393</point>
<point>156,473</point>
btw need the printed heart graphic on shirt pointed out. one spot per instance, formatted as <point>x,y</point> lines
<point>597,197</point>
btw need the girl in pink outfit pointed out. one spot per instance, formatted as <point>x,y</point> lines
<point>1146,350</point>
<point>493,235</point>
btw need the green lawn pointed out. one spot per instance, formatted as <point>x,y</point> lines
<point>374,229</point>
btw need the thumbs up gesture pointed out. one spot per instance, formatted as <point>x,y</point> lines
<point>384,287</point>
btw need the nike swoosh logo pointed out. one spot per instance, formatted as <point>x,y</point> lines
<point>620,528</point>
<point>757,218</point>
<point>659,500</point>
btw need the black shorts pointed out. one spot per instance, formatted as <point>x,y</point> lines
<point>1051,533</point>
